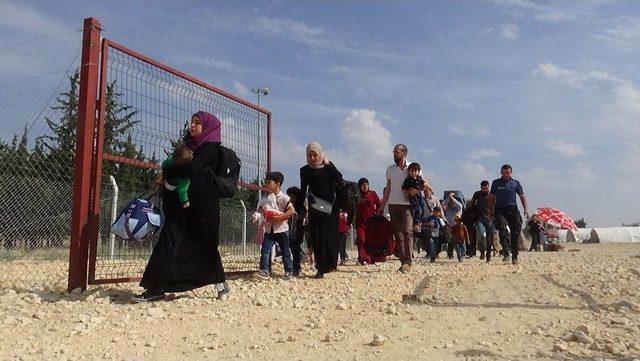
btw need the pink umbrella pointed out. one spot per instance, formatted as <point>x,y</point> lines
<point>555,218</point>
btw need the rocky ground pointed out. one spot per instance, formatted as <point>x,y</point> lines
<point>583,303</point>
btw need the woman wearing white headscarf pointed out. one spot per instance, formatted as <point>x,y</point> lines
<point>318,178</point>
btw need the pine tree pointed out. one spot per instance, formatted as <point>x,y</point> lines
<point>61,145</point>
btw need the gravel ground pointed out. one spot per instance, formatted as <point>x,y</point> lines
<point>582,303</point>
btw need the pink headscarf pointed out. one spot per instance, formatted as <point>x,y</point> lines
<point>211,127</point>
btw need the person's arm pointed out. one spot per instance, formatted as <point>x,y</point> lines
<point>457,204</point>
<point>183,191</point>
<point>286,215</point>
<point>427,186</point>
<point>335,174</point>
<point>377,201</point>
<point>491,205</point>
<point>474,199</point>
<point>523,200</point>
<point>304,184</point>
<point>206,155</point>
<point>465,234</point>
<point>492,200</point>
<point>385,197</point>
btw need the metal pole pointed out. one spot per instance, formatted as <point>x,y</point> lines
<point>79,244</point>
<point>244,228</point>
<point>114,213</point>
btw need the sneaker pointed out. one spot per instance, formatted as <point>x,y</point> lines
<point>505,259</point>
<point>460,259</point>
<point>514,261</point>
<point>223,294</point>
<point>262,274</point>
<point>287,276</point>
<point>149,296</point>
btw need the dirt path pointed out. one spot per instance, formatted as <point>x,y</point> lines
<point>568,305</point>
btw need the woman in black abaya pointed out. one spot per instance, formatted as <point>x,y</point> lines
<point>186,256</point>
<point>319,178</point>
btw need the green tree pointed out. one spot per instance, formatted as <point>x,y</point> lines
<point>118,125</point>
<point>580,223</point>
<point>60,146</point>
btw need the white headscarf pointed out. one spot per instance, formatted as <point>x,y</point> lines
<point>315,147</point>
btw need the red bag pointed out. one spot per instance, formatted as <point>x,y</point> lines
<point>379,238</point>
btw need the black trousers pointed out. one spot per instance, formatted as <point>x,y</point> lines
<point>296,254</point>
<point>509,239</point>
<point>342,246</point>
<point>535,241</point>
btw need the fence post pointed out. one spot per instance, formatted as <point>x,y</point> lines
<point>244,228</point>
<point>114,213</point>
<point>79,244</point>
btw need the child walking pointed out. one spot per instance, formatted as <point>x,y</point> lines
<point>460,237</point>
<point>434,231</point>
<point>277,209</point>
<point>343,234</point>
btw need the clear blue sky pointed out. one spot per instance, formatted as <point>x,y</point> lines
<point>551,87</point>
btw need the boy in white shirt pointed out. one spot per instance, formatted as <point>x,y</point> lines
<point>277,209</point>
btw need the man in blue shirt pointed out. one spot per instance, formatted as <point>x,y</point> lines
<point>504,210</point>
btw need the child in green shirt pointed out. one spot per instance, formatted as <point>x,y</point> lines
<point>180,155</point>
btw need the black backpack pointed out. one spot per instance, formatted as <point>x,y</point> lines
<point>227,174</point>
<point>347,197</point>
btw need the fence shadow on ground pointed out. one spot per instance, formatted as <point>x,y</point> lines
<point>585,296</point>
<point>417,298</point>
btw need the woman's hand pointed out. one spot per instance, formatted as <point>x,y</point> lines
<point>325,161</point>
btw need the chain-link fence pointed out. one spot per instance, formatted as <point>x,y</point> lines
<point>35,178</point>
<point>146,108</point>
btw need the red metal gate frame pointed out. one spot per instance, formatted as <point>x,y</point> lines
<point>89,156</point>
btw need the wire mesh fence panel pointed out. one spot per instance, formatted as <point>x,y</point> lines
<point>37,127</point>
<point>147,108</point>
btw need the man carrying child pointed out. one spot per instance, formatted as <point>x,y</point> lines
<point>412,188</point>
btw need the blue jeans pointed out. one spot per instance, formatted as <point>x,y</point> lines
<point>484,242</point>
<point>461,250</point>
<point>282,239</point>
<point>435,246</point>
<point>419,208</point>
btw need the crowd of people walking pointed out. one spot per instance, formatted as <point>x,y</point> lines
<point>409,217</point>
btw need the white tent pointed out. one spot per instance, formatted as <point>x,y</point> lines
<point>580,235</point>
<point>615,235</point>
<point>562,235</point>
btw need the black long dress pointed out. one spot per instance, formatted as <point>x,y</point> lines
<point>186,255</point>
<point>323,228</point>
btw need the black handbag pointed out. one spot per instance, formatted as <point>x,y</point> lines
<point>320,205</point>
